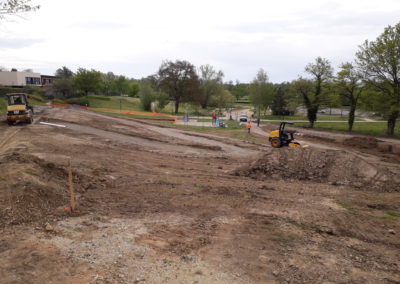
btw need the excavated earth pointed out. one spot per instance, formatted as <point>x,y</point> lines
<point>158,204</point>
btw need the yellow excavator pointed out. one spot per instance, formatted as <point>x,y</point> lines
<point>18,108</point>
<point>282,137</point>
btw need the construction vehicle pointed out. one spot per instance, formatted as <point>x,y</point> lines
<point>18,108</point>
<point>282,137</point>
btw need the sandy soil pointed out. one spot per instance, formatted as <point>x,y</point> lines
<point>162,205</point>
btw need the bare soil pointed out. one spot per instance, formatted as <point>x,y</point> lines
<point>161,205</point>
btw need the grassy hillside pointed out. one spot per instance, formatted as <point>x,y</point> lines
<point>123,103</point>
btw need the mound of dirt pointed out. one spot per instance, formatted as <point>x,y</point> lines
<point>33,189</point>
<point>362,142</point>
<point>326,166</point>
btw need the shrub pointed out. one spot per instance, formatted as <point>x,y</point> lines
<point>147,96</point>
<point>162,100</point>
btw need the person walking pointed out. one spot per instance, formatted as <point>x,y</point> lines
<point>214,119</point>
<point>248,126</point>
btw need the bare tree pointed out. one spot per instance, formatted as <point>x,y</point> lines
<point>16,7</point>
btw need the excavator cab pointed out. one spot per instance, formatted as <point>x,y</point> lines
<point>283,137</point>
<point>18,108</point>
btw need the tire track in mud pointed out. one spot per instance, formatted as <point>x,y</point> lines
<point>12,131</point>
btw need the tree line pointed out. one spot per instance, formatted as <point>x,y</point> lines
<point>371,81</point>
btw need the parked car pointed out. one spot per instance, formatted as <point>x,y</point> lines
<point>243,118</point>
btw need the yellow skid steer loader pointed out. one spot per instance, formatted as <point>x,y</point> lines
<point>282,137</point>
<point>18,108</point>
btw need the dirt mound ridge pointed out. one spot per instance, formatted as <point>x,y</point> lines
<point>362,142</point>
<point>326,166</point>
<point>33,189</point>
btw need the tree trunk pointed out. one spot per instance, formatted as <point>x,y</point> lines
<point>351,117</point>
<point>312,116</point>
<point>176,106</point>
<point>392,122</point>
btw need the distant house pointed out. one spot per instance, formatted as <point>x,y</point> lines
<point>47,80</point>
<point>20,79</point>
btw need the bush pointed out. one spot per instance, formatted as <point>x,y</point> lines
<point>147,96</point>
<point>162,100</point>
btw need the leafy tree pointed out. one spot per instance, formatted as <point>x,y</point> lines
<point>350,85</point>
<point>122,85</point>
<point>222,100</point>
<point>179,80</point>
<point>239,90</point>
<point>134,89</point>
<point>261,92</point>
<point>147,96</point>
<point>280,103</point>
<point>87,80</point>
<point>162,100</point>
<point>211,83</point>
<point>64,72</point>
<point>16,7</point>
<point>65,86</point>
<point>321,70</point>
<point>379,61</point>
<point>108,83</point>
<point>64,82</point>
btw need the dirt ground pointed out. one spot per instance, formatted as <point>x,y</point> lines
<point>158,204</point>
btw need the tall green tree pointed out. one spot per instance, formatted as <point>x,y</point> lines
<point>16,7</point>
<point>261,92</point>
<point>239,90</point>
<point>379,60</point>
<point>147,95</point>
<point>87,80</point>
<point>64,72</point>
<point>321,71</point>
<point>134,89</point>
<point>350,85</point>
<point>211,83</point>
<point>63,84</point>
<point>179,80</point>
<point>122,85</point>
<point>107,85</point>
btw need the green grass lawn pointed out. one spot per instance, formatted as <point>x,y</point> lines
<point>300,117</point>
<point>193,110</point>
<point>3,106</point>
<point>117,102</point>
<point>372,128</point>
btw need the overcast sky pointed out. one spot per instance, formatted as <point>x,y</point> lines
<point>238,37</point>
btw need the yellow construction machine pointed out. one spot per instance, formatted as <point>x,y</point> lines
<point>18,108</point>
<point>282,137</point>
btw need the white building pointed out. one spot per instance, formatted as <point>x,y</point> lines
<point>19,79</point>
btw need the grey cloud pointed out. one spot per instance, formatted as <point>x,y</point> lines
<point>333,21</point>
<point>100,25</point>
<point>17,43</point>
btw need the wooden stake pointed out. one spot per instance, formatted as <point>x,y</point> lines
<point>71,188</point>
